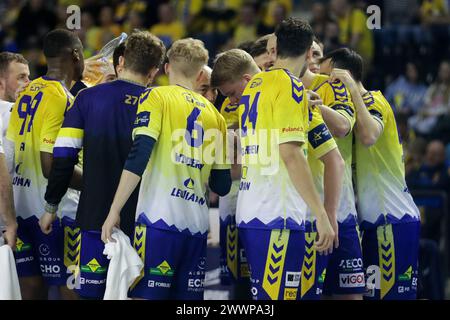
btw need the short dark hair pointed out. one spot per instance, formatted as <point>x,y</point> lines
<point>143,51</point>
<point>6,58</point>
<point>347,59</point>
<point>246,46</point>
<point>118,52</point>
<point>294,38</point>
<point>59,42</point>
<point>259,46</point>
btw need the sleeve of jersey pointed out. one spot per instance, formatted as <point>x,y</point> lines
<point>290,112</point>
<point>149,115</point>
<point>1,138</point>
<point>320,140</point>
<point>339,100</point>
<point>221,162</point>
<point>376,109</point>
<point>54,117</point>
<point>70,138</point>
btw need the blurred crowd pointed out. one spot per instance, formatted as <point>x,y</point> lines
<point>406,57</point>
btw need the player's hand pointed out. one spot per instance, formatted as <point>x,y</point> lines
<point>10,236</point>
<point>46,222</point>
<point>324,244</point>
<point>113,220</point>
<point>335,226</point>
<point>344,76</point>
<point>313,99</point>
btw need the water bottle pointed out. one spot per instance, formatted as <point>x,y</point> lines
<point>98,65</point>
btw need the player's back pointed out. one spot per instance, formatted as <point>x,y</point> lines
<point>35,121</point>
<point>380,171</point>
<point>185,126</point>
<point>106,114</point>
<point>273,110</point>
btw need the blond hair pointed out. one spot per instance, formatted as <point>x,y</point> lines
<point>188,56</point>
<point>231,65</point>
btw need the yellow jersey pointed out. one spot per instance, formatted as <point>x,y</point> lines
<point>273,110</point>
<point>190,135</point>
<point>35,121</point>
<point>336,96</point>
<point>383,196</point>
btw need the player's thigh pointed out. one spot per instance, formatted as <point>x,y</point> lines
<point>27,262</point>
<point>190,271</point>
<point>345,270</point>
<point>275,260</point>
<point>160,251</point>
<point>313,270</point>
<point>93,266</point>
<point>390,259</point>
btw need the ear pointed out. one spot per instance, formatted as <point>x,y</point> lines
<point>152,75</point>
<point>76,54</point>
<point>199,75</point>
<point>167,68</point>
<point>121,61</point>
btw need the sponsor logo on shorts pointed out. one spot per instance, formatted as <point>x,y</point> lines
<point>351,264</point>
<point>22,246</point>
<point>48,270</point>
<point>196,285</point>
<point>292,279</point>
<point>322,276</point>
<point>164,269</point>
<point>92,281</point>
<point>406,276</point>
<point>156,284</point>
<point>290,294</point>
<point>44,250</point>
<point>352,280</point>
<point>93,267</point>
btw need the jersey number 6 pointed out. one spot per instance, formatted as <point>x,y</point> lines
<point>194,131</point>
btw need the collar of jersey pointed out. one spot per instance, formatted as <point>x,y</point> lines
<point>132,82</point>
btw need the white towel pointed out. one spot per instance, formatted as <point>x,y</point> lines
<point>125,266</point>
<point>9,282</point>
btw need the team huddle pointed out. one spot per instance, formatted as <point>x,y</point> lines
<point>307,163</point>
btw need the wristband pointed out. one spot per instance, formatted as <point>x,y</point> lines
<point>51,208</point>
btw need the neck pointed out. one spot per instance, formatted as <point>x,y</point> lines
<point>294,65</point>
<point>308,78</point>
<point>133,77</point>
<point>57,71</point>
<point>176,79</point>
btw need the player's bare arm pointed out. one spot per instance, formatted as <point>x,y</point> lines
<point>338,124</point>
<point>300,174</point>
<point>368,130</point>
<point>334,167</point>
<point>7,212</point>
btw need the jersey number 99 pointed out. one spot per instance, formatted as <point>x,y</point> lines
<point>27,109</point>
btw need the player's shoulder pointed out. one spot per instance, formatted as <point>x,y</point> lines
<point>338,89</point>
<point>49,86</point>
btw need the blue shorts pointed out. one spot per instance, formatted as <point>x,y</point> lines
<point>275,260</point>
<point>174,264</point>
<point>233,261</point>
<point>93,266</point>
<point>314,267</point>
<point>391,261</point>
<point>44,255</point>
<point>345,272</point>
